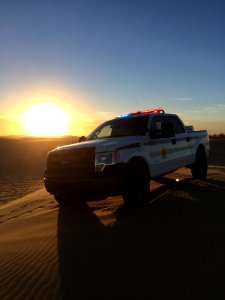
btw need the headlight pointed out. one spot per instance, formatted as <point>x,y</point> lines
<point>105,158</point>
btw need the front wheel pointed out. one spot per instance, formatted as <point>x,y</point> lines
<point>61,199</point>
<point>200,167</point>
<point>136,185</point>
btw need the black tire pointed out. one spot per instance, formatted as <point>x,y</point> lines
<point>71,200</point>
<point>200,168</point>
<point>61,199</point>
<point>136,185</point>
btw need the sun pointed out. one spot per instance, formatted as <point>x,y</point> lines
<point>45,120</point>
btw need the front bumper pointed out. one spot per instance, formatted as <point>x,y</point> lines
<point>108,182</point>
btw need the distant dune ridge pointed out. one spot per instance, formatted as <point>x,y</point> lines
<point>28,154</point>
<point>22,164</point>
<point>217,152</point>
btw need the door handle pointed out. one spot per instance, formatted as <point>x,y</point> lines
<point>173,141</point>
<point>187,139</point>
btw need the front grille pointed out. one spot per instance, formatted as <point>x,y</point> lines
<point>71,163</point>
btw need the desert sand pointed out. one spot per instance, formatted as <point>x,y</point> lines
<point>172,248</point>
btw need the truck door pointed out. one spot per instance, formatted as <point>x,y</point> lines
<point>182,145</point>
<point>161,150</point>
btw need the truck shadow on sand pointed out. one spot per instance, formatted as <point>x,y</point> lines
<point>173,247</point>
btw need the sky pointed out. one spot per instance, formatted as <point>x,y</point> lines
<point>98,59</point>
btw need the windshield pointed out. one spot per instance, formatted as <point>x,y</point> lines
<point>121,127</point>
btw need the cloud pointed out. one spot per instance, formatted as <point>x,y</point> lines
<point>214,109</point>
<point>196,111</point>
<point>220,105</point>
<point>183,99</point>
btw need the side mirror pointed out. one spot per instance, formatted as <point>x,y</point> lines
<point>82,139</point>
<point>167,130</point>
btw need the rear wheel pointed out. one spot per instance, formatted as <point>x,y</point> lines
<point>136,185</point>
<point>200,167</point>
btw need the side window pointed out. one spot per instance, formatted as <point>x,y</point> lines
<point>177,126</point>
<point>156,127</point>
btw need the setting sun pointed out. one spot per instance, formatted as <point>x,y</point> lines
<point>45,120</point>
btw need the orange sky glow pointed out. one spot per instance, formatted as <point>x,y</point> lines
<point>49,113</point>
<point>56,112</point>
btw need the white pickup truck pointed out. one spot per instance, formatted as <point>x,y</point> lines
<point>121,156</point>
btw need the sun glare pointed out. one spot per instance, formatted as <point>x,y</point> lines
<point>45,120</point>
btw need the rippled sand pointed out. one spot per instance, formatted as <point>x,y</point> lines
<point>102,250</point>
<point>16,186</point>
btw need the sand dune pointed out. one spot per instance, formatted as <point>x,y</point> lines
<point>174,247</point>
<point>27,154</point>
<point>101,250</point>
<point>22,164</point>
<point>29,248</point>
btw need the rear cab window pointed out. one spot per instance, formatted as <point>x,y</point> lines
<point>177,125</point>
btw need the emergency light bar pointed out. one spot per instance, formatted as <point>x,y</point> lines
<point>149,111</point>
<point>144,112</point>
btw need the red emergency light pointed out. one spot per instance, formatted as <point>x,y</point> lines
<point>149,111</point>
